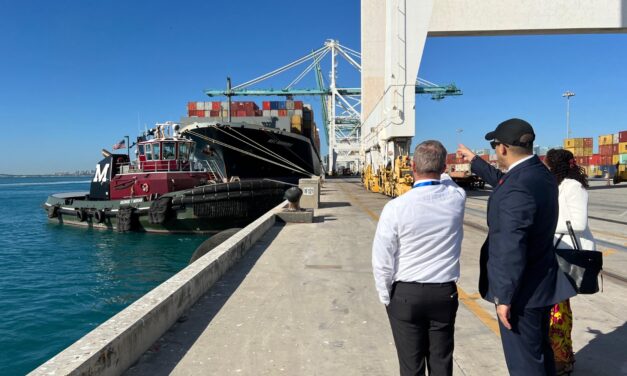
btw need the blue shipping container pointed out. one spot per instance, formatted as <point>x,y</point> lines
<point>274,105</point>
<point>282,106</point>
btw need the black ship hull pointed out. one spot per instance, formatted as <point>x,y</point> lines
<point>248,151</point>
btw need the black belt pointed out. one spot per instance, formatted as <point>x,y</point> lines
<point>450,283</point>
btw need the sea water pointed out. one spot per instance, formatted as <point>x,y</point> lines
<point>58,282</point>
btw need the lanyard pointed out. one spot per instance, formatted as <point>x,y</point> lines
<point>425,183</point>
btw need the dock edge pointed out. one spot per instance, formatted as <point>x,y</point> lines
<point>116,344</point>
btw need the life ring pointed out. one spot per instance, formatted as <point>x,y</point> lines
<point>145,187</point>
<point>99,216</point>
<point>81,215</point>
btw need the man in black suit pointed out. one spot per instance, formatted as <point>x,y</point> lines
<point>519,271</point>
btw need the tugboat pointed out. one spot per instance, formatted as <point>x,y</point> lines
<point>170,188</point>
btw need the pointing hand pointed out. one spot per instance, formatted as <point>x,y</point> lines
<point>465,152</point>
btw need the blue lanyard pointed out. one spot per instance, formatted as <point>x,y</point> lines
<point>425,183</point>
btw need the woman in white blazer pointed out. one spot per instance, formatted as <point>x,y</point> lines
<point>573,207</point>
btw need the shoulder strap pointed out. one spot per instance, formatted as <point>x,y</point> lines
<point>559,240</point>
<point>573,237</point>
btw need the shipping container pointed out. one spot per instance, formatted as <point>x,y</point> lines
<point>266,105</point>
<point>569,143</point>
<point>216,106</point>
<point>289,105</point>
<point>608,169</point>
<point>622,159</point>
<point>595,159</point>
<point>616,138</point>
<point>587,151</point>
<point>606,139</point>
<point>572,150</point>
<point>621,148</point>
<point>282,112</point>
<point>200,106</point>
<point>191,106</point>
<point>582,161</point>
<point>615,159</point>
<point>605,150</point>
<point>587,142</point>
<point>622,136</point>
<point>274,113</point>
<point>485,157</point>
<point>298,105</point>
<point>214,113</point>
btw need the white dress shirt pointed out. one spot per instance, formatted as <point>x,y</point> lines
<point>419,237</point>
<point>519,162</point>
<point>573,204</point>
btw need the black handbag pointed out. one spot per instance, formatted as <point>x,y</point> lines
<point>582,267</point>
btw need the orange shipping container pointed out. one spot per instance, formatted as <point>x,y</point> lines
<point>587,142</point>
<point>191,106</point>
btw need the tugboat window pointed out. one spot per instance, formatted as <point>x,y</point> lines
<point>155,151</point>
<point>169,151</point>
<point>140,148</point>
<point>183,151</point>
<point>149,152</point>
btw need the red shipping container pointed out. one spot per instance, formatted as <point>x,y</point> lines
<point>298,105</point>
<point>266,105</point>
<point>214,113</point>
<point>595,159</point>
<point>282,112</point>
<point>622,136</point>
<point>450,158</point>
<point>605,150</point>
<point>485,157</point>
<point>258,112</point>
<point>216,106</point>
<point>191,106</point>
<point>241,113</point>
<point>587,142</point>
<point>615,148</point>
<point>582,161</point>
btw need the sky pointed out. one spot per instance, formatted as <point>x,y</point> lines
<point>77,76</point>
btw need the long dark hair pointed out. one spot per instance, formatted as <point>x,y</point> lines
<point>563,165</point>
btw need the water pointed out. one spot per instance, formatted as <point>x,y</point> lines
<point>59,282</point>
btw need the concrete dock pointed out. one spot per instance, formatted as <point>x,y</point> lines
<point>302,301</point>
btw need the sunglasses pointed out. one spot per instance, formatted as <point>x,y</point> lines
<point>494,144</point>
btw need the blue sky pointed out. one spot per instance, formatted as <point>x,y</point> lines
<point>74,75</point>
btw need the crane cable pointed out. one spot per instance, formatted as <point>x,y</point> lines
<point>260,148</point>
<point>201,136</point>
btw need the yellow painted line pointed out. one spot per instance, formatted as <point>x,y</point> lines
<point>474,307</point>
<point>610,234</point>
<point>468,300</point>
<point>609,251</point>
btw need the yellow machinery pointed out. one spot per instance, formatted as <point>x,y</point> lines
<point>371,181</point>
<point>391,181</point>
<point>402,178</point>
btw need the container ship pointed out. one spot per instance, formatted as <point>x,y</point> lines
<point>279,141</point>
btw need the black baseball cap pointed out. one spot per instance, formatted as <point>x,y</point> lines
<point>510,131</point>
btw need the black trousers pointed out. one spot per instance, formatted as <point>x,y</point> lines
<point>526,347</point>
<point>422,317</point>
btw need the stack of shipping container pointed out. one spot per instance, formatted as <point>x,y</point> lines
<point>613,155</point>
<point>292,116</point>
<point>582,149</point>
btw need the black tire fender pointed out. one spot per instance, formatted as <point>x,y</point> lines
<point>212,242</point>
<point>81,215</point>
<point>99,216</point>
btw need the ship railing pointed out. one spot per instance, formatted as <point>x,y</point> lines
<point>213,168</point>
<point>158,166</point>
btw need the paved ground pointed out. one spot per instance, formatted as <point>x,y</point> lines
<point>302,302</point>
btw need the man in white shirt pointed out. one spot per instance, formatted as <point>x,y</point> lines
<point>415,261</point>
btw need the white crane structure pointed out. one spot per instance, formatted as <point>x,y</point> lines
<point>341,106</point>
<point>393,35</point>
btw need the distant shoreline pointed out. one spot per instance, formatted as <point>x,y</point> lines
<point>43,176</point>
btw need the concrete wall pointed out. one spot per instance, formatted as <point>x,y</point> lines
<point>116,344</point>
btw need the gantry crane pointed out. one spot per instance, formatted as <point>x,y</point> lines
<point>341,106</point>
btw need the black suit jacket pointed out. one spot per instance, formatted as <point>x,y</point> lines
<point>518,264</point>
